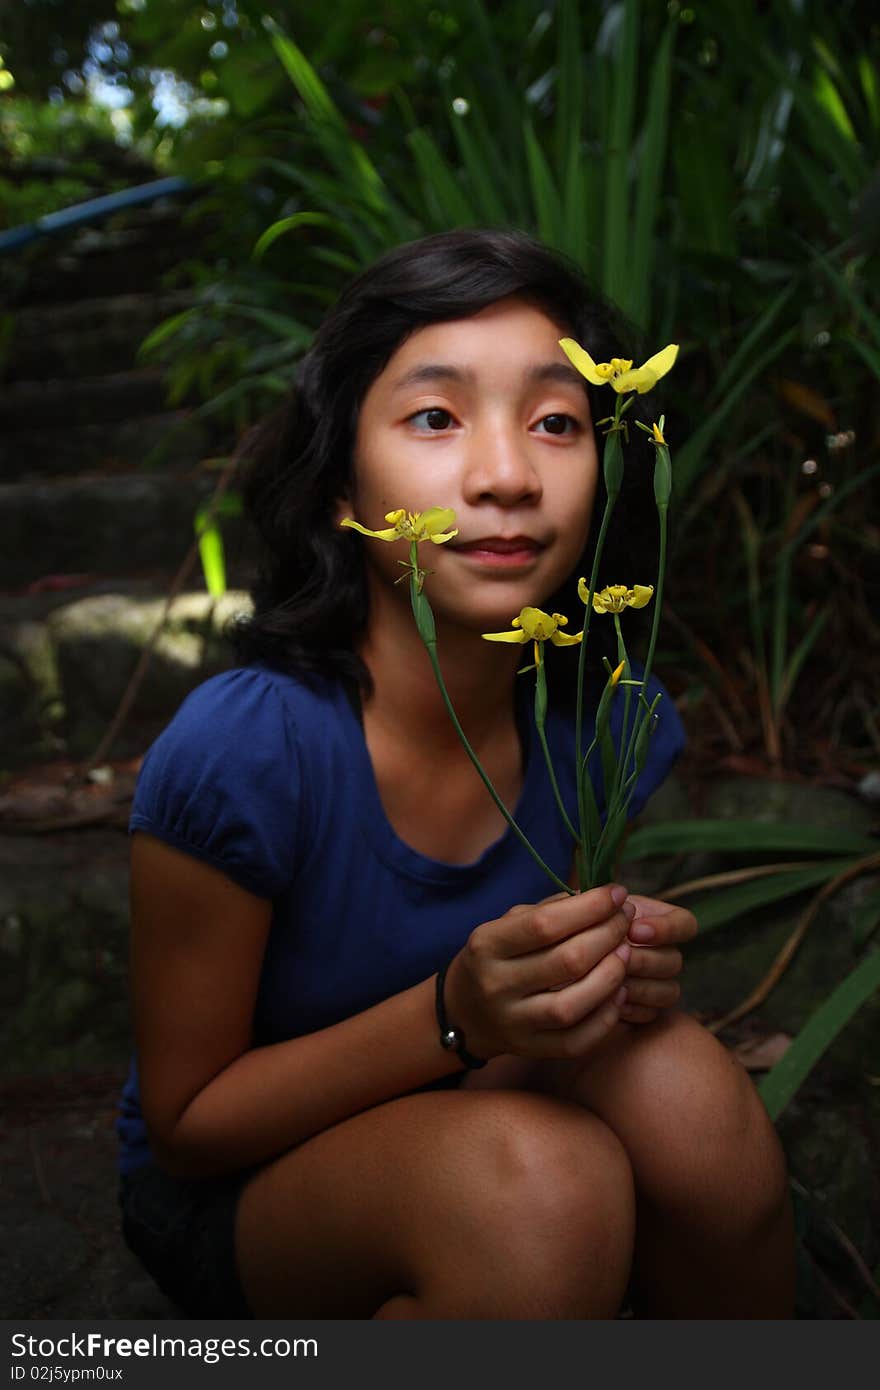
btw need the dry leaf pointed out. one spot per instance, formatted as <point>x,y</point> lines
<point>760,1054</point>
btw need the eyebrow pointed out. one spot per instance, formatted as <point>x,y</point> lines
<point>426,372</point>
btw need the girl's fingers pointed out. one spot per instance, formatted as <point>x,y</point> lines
<point>670,927</point>
<point>655,963</point>
<point>535,928</point>
<point>652,994</point>
<point>637,1013</point>
<point>572,1043</point>
<point>569,961</point>
<point>560,1010</point>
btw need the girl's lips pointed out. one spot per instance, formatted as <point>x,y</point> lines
<point>493,550</point>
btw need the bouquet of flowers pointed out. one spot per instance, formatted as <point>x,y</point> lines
<point>596,840</point>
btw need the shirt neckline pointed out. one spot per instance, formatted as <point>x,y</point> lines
<point>384,839</point>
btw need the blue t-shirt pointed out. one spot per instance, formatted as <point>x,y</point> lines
<point>268,778</point>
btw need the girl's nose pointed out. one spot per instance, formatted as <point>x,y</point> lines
<point>500,467</point>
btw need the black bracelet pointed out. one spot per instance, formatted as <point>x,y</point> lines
<point>452,1039</point>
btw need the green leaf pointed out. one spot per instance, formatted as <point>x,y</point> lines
<point>289,224</point>
<point>443,192</point>
<point>482,168</point>
<point>165,330</point>
<point>692,457</point>
<point>314,94</point>
<point>829,97</point>
<point>783,1081</point>
<point>617,157</point>
<point>652,164</point>
<point>721,905</point>
<point>545,196</point>
<point>213,560</point>
<point>567,128</point>
<point>746,837</point>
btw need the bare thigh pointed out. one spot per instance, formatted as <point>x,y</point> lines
<point>501,1204</point>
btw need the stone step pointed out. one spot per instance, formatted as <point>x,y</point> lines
<point>178,438</point>
<point>65,663</point>
<point>87,337</point>
<point>88,401</point>
<point>108,526</point>
<point>119,256</point>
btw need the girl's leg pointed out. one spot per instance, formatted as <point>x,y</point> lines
<point>714,1226</point>
<point>443,1205</point>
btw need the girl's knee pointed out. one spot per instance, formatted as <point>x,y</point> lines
<point>716,1145</point>
<point>562,1204</point>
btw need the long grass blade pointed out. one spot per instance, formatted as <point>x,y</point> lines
<point>617,158</point>
<point>652,164</point>
<point>691,458</point>
<point>289,224</point>
<point>482,167</point>
<point>545,195</point>
<point>745,837</point>
<point>444,195</point>
<point>797,660</point>
<point>568,122</point>
<point>784,1080</point>
<point>735,904</point>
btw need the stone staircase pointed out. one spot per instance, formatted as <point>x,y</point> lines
<point>100,481</point>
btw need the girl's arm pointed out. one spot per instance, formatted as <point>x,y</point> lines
<point>213,1103</point>
<point>537,982</point>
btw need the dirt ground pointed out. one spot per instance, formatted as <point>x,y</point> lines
<point>59,1223</point>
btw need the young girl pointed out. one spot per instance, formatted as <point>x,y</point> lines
<point>314,1129</point>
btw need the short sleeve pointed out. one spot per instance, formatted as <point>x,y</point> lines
<point>222,781</point>
<point>666,744</point>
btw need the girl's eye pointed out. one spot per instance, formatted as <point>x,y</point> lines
<point>434,419</point>
<point>558,424</point>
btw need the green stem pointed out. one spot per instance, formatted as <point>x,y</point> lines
<point>662,513</point>
<point>621,765</point>
<point>425,625</point>
<point>540,715</point>
<point>582,859</point>
<point>579,707</point>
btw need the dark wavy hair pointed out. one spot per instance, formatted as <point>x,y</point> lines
<point>310,593</point>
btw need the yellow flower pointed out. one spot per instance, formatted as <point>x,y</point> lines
<point>412,526</point>
<point>616,674</point>
<point>619,372</point>
<point>616,597</point>
<point>658,434</point>
<point>534,625</point>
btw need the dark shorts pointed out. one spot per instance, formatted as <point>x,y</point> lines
<point>183,1232</point>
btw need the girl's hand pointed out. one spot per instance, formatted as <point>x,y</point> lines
<point>652,974</point>
<point>544,979</point>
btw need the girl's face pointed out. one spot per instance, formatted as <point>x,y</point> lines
<point>484,415</point>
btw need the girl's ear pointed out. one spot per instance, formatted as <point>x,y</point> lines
<point>343,508</point>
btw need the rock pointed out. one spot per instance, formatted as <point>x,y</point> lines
<point>64,952</point>
<point>99,640</point>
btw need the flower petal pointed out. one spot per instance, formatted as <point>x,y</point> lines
<point>565,639</point>
<point>519,637</point>
<point>446,536</point>
<point>581,360</point>
<point>662,361</point>
<point>392,534</point>
<point>641,594</point>
<point>435,520</point>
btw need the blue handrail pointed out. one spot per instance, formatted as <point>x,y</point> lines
<point>92,211</point>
